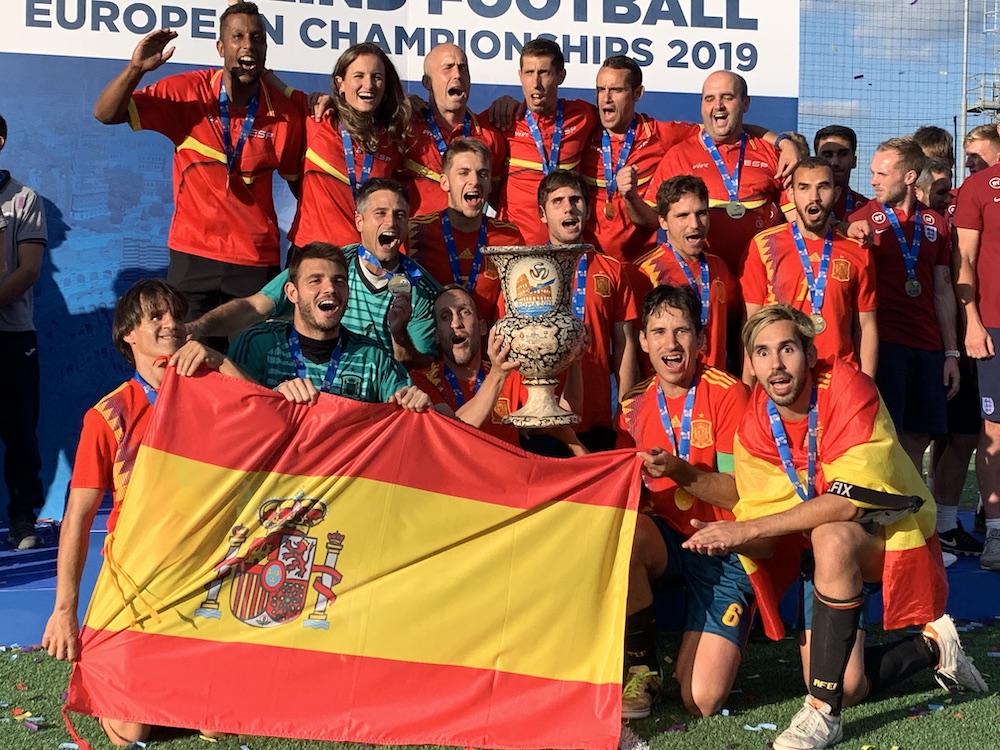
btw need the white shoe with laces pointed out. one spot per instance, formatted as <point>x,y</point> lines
<point>954,668</point>
<point>812,728</point>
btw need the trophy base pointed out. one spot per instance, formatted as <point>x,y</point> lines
<point>542,408</point>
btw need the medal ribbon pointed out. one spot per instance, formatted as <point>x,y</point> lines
<point>149,390</point>
<point>300,365</point>
<point>683,451</point>
<point>817,284</point>
<point>436,131</point>
<point>849,204</point>
<point>233,154</point>
<point>551,161</point>
<point>910,252</point>
<point>785,451</point>
<point>409,268</point>
<point>705,286</point>
<point>580,288</point>
<point>732,182</point>
<point>609,173</point>
<point>456,388</point>
<point>352,170</point>
<point>477,256</point>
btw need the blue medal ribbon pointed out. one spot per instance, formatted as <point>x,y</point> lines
<point>580,288</point>
<point>436,131</point>
<point>704,288</point>
<point>817,284</point>
<point>410,269</point>
<point>551,161</point>
<point>609,173</point>
<point>456,387</point>
<point>477,256</point>
<point>352,173</point>
<point>910,252</point>
<point>683,450</point>
<point>149,390</point>
<point>233,154</point>
<point>732,182</point>
<point>785,451</point>
<point>300,365</point>
<point>849,204</point>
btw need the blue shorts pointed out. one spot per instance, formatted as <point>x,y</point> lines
<point>807,591</point>
<point>989,382</point>
<point>719,596</point>
<point>911,382</point>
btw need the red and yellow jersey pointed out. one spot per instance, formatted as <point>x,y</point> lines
<point>773,273</point>
<point>902,319</point>
<point>979,209</point>
<point>660,267</point>
<point>719,402</point>
<point>112,432</point>
<point>610,300</point>
<point>857,444</point>
<point>519,189</point>
<point>420,169</point>
<point>325,211</point>
<point>618,236</point>
<point>433,382</point>
<point>426,246</point>
<point>760,192</point>
<point>218,215</point>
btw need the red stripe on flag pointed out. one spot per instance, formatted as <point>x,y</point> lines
<point>903,606</point>
<point>334,697</point>
<point>370,434</point>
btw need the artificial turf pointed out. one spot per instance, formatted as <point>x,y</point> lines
<point>916,715</point>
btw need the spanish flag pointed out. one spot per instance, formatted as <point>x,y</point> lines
<point>857,444</point>
<point>361,573</point>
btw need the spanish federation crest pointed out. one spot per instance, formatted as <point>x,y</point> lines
<point>701,433</point>
<point>270,580</point>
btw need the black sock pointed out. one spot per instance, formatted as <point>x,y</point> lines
<point>889,663</point>
<point>834,629</point>
<point>640,639</point>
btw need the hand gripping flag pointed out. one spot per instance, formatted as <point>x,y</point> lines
<point>358,572</point>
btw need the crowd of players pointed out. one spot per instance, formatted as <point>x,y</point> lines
<point>759,333</point>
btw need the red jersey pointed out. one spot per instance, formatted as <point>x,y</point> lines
<point>325,212</point>
<point>848,203</point>
<point>218,215</point>
<point>618,236</point>
<point>773,273</point>
<point>660,267</point>
<point>426,246</point>
<point>111,435</point>
<point>433,382</point>
<point>420,170</point>
<point>719,403</point>
<point>609,300</point>
<point>519,189</point>
<point>979,209</point>
<point>760,192</point>
<point>902,319</point>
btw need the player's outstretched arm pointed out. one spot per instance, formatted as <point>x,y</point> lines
<point>112,105</point>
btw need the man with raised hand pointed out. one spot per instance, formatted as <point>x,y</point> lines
<point>449,243</point>
<point>813,267</point>
<point>682,204</point>
<point>231,132</point>
<point>816,454</point>
<point>313,353</point>
<point>446,118</point>
<point>682,422</point>
<point>837,145</point>
<point>918,339</point>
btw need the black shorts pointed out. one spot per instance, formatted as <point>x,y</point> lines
<point>911,382</point>
<point>964,416</point>
<point>989,382</point>
<point>207,283</point>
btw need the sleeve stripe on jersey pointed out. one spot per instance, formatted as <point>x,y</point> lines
<point>325,166</point>
<point>199,147</point>
<point>133,116</point>
<point>421,170</point>
<point>536,165</point>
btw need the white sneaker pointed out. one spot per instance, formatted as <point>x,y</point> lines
<point>812,728</point>
<point>990,559</point>
<point>641,691</point>
<point>954,668</point>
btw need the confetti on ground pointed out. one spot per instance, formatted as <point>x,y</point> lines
<point>760,727</point>
<point>675,728</point>
<point>753,677</point>
<point>19,712</point>
<point>725,712</point>
<point>30,726</point>
<point>934,706</point>
<point>994,654</point>
<point>959,716</point>
<point>207,739</point>
<point>244,747</point>
<point>19,686</point>
<point>69,746</point>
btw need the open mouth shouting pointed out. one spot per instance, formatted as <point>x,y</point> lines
<point>328,304</point>
<point>388,240</point>
<point>781,388</point>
